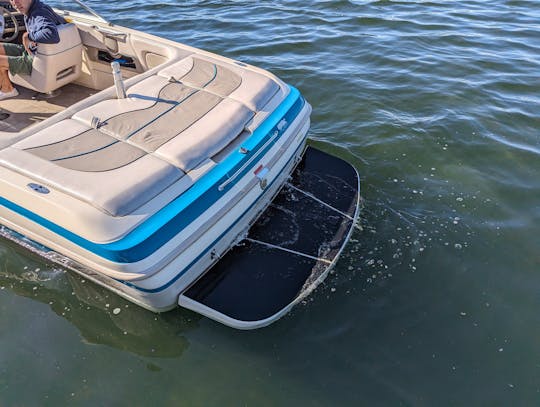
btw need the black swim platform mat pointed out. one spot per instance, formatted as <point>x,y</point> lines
<point>291,246</point>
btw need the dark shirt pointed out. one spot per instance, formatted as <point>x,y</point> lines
<point>41,22</point>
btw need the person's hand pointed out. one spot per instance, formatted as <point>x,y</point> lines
<point>29,46</point>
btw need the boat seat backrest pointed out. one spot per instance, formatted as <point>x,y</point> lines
<point>55,65</point>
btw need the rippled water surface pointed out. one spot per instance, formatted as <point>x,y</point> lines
<point>436,300</point>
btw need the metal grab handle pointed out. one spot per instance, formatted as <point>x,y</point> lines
<point>248,162</point>
<point>115,35</point>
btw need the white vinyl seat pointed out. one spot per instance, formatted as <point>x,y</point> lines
<point>55,65</point>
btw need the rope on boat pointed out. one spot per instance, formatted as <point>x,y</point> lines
<point>273,246</point>
<point>319,201</point>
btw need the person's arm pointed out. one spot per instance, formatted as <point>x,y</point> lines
<point>29,45</point>
<point>46,33</point>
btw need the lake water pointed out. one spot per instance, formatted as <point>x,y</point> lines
<point>435,301</point>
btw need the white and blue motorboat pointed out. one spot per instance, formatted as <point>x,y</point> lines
<point>178,177</point>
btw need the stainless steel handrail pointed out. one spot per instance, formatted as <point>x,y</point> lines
<point>248,162</point>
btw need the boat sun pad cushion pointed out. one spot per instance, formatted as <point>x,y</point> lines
<point>252,89</point>
<point>118,154</point>
<point>89,151</point>
<point>113,178</point>
<point>222,125</point>
<point>185,121</point>
<point>118,192</point>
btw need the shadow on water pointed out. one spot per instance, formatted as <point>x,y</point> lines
<point>100,316</point>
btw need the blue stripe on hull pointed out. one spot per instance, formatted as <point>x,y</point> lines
<point>153,233</point>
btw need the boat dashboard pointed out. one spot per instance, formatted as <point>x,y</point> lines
<point>13,22</point>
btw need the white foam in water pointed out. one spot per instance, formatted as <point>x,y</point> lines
<point>38,275</point>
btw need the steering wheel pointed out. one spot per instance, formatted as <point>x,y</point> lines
<point>15,33</point>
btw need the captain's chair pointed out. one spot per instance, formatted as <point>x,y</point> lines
<point>55,65</point>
